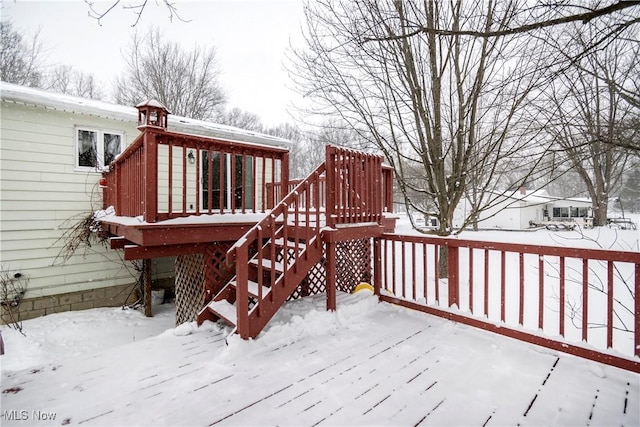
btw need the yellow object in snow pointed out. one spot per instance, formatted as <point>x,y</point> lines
<point>362,286</point>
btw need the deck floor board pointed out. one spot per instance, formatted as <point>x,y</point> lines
<point>425,373</point>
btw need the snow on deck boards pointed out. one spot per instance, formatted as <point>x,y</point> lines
<point>365,364</point>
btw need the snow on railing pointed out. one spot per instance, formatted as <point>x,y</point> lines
<point>586,298</point>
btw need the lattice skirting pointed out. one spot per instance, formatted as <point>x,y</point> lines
<point>353,266</point>
<point>199,277</point>
<point>217,272</point>
<point>190,291</point>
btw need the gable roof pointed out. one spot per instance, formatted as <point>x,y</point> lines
<point>76,105</point>
<point>538,197</point>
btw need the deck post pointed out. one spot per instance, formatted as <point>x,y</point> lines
<point>150,177</point>
<point>146,278</point>
<point>330,174</point>
<point>242,294</point>
<point>330,268</point>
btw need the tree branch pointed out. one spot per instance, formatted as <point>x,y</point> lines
<point>583,17</point>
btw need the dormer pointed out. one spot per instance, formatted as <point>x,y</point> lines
<point>152,113</point>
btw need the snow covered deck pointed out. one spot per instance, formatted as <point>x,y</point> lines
<point>368,363</point>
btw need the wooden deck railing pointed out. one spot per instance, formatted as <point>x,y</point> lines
<point>164,175</point>
<point>275,193</point>
<point>353,190</point>
<point>296,224</point>
<point>529,292</point>
<point>354,182</point>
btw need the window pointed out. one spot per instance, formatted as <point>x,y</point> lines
<point>561,212</point>
<point>243,191</point>
<point>96,149</point>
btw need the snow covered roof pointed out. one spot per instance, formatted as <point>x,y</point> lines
<point>540,196</point>
<point>37,97</point>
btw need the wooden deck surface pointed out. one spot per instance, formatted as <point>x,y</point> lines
<point>364,370</point>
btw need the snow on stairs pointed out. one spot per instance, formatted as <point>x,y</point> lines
<point>271,261</point>
<point>269,282</point>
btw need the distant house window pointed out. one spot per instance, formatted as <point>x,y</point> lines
<point>561,212</point>
<point>96,149</point>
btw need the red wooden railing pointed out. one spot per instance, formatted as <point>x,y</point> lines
<point>275,194</point>
<point>511,288</point>
<point>355,188</point>
<point>164,175</point>
<point>366,184</point>
<point>297,224</point>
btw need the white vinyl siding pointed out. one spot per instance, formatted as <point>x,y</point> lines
<point>42,194</point>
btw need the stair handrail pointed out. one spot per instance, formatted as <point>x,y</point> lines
<point>239,252</point>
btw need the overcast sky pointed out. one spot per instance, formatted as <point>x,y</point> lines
<point>250,36</point>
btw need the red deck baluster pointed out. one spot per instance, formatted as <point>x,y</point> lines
<point>197,181</point>
<point>610,304</point>
<point>521,305</point>
<point>471,280</point>
<point>562,296</point>
<point>585,298</point>
<point>413,270</point>
<point>425,271</point>
<point>210,181</point>
<point>393,267</point>
<point>453,270</point>
<point>436,272</point>
<point>637,312</point>
<point>221,181</point>
<point>503,285</point>
<point>541,293</point>
<point>486,282</point>
<point>184,180</point>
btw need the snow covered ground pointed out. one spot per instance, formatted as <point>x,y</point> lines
<point>365,364</point>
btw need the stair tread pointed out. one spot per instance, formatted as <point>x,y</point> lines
<point>253,288</point>
<point>289,243</point>
<point>225,309</point>
<point>267,264</point>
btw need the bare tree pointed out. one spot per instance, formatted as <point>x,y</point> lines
<point>185,80</point>
<point>444,109</point>
<point>20,59</point>
<point>65,79</point>
<point>591,122</point>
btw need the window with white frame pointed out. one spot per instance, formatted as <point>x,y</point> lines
<point>96,149</point>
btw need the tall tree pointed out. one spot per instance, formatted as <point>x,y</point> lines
<point>443,108</point>
<point>185,80</point>
<point>591,121</point>
<point>20,59</point>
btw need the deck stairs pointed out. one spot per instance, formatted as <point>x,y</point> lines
<point>275,256</point>
<point>272,259</point>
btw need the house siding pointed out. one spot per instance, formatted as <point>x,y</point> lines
<point>41,196</point>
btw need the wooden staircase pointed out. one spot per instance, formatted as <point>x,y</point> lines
<point>271,261</point>
<point>276,255</point>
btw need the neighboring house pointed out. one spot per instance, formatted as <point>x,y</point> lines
<point>53,149</point>
<point>522,209</point>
